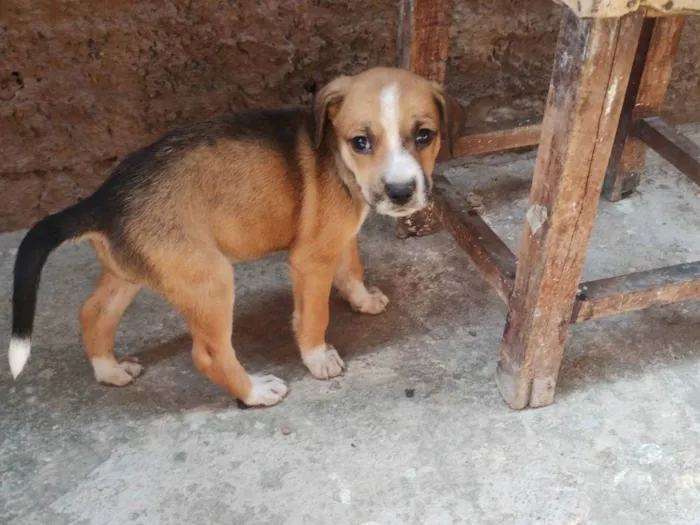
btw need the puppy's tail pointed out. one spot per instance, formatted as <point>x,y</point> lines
<point>46,235</point>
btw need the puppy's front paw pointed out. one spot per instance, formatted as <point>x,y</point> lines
<point>266,391</point>
<point>373,302</point>
<point>323,362</point>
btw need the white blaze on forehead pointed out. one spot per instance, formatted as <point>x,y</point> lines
<point>400,164</point>
<point>389,114</point>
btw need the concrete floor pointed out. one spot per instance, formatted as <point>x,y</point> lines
<point>619,446</point>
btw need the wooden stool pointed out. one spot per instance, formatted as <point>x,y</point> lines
<point>612,66</point>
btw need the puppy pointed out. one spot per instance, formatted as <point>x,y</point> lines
<point>175,215</point>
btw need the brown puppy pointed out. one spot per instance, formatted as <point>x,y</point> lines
<point>175,215</point>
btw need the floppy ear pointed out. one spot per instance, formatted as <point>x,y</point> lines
<point>326,104</point>
<point>452,115</point>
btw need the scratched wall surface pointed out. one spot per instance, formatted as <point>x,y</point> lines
<point>82,84</point>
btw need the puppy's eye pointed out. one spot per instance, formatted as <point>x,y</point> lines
<point>424,137</point>
<point>361,144</point>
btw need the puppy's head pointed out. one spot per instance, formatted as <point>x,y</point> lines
<point>388,126</point>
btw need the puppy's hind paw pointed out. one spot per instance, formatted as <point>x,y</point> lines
<point>373,302</point>
<point>109,371</point>
<point>323,362</point>
<point>266,391</point>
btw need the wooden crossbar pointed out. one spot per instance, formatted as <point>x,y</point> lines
<point>636,291</point>
<point>497,140</point>
<point>673,146</point>
<point>482,245</point>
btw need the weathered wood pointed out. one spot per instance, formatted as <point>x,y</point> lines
<point>618,8</point>
<point>673,146</point>
<point>645,96</point>
<point>483,246</point>
<point>424,41</point>
<point>424,37</point>
<point>589,79</point>
<point>636,291</point>
<point>622,175</point>
<point>497,140</point>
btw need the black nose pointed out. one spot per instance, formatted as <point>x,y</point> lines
<point>400,193</point>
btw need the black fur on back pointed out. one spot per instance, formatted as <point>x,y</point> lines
<point>107,209</point>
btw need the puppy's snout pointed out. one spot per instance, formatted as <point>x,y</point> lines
<point>400,192</point>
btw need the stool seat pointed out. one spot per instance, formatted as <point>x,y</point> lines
<point>618,8</point>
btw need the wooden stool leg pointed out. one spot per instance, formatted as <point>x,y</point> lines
<point>592,66</point>
<point>645,96</point>
<point>424,41</point>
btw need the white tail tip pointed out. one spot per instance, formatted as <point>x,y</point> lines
<point>19,354</point>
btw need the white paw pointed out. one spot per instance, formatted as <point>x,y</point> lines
<point>109,371</point>
<point>266,391</point>
<point>323,362</point>
<point>372,302</point>
<point>295,320</point>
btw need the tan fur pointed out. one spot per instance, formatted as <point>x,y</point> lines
<point>198,222</point>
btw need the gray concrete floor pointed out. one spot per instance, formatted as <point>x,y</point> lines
<point>619,446</point>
